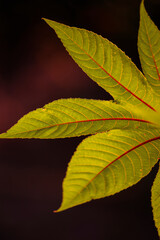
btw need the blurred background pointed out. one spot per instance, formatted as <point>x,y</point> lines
<point>35,69</point>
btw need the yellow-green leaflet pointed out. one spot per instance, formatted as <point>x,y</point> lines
<point>76,117</point>
<point>156,201</point>
<point>107,163</point>
<point>106,64</point>
<point>149,49</point>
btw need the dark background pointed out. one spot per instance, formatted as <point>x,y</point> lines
<point>35,69</point>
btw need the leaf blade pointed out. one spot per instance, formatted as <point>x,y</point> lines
<point>106,64</point>
<point>107,163</point>
<point>155,200</point>
<point>75,117</point>
<point>148,48</point>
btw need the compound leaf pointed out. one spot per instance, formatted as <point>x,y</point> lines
<point>149,49</point>
<point>107,163</point>
<point>126,143</point>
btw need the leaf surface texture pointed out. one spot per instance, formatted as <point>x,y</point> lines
<point>75,117</point>
<point>156,201</point>
<point>106,64</point>
<point>149,49</point>
<point>107,163</point>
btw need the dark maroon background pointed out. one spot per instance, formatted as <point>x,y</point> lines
<point>35,69</point>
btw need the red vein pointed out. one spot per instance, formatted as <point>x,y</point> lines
<point>105,119</point>
<point>122,85</point>
<point>122,155</point>
<point>83,121</point>
<point>132,149</point>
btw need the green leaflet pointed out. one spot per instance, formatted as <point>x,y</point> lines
<point>75,117</point>
<point>107,163</point>
<point>106,64</point>
<point>156,201</point>
<point>149,49</point>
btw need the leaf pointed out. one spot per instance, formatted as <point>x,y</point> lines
<point>106,64</point>
<point>155,199</point>
<point>75,117</point>
<point>107,163</point>
<point>149,49</point>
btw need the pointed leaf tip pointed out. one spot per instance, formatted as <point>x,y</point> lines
<point>58,210</point>
<point>55,211</point>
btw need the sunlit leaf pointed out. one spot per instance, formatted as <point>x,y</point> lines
<point>156,201</point>
<point>126,141</point>
<point>107,163</point>
<point>75,117</point>
<point>106,64</point>
<point>149,49</point>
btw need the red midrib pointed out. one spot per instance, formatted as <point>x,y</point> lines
<point>122,85</point>
<point>130,150</point>
<point>91,120</point>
